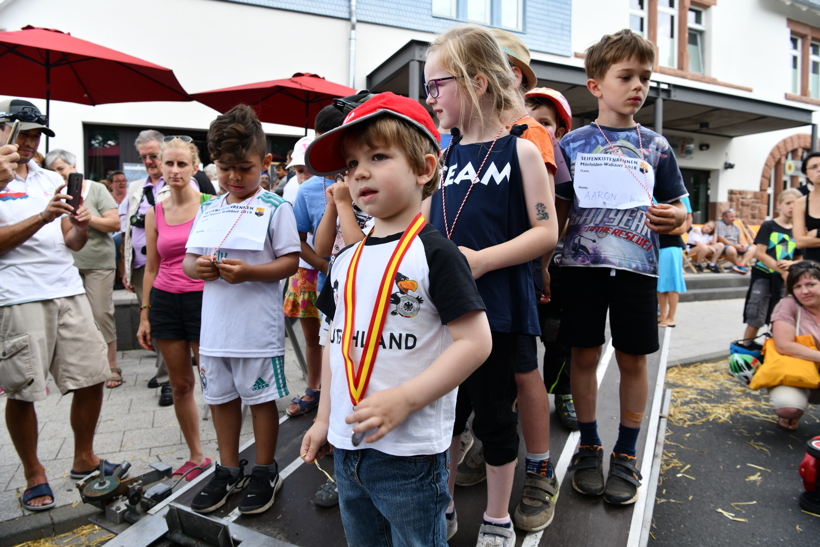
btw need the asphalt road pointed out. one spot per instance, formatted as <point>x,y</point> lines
<point>709,466</point>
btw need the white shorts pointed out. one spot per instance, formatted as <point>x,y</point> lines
<point>255,380</point>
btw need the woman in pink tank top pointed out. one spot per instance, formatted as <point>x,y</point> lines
<point>172,302</point>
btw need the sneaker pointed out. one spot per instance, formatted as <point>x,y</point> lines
<point>219,489</point>
<point>588,464</point>
<point>166,396</point>
<point>714,268</point>
<point>623,481</point>
<point>262,489</point>
<point>742,270</point>
<point>565,408</point>
<point>327,495</point>
<point>452,524</point>
<point>699,268</point>
<point>490,535</point>
<point>467,442</point>
<point>537,507</point>
<point>152,383</point>
<point>473,470</point>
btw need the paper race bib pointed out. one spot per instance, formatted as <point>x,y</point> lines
<point>248,234</point>
<point>602,181</point>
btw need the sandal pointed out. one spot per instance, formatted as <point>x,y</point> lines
<point>788,425</point>
<point>305,406</point>
<point>118,380</point>
<point>38,491</point>
<point>189,469</point>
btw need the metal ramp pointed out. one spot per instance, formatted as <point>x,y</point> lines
<point>579,520</point>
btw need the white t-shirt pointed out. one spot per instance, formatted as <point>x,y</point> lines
<point>291,189</point>
<point>433,287</point>
<point>42,268</point>
<point>247,320</point>
<point>697,236</point>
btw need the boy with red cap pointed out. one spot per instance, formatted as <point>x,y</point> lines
<point>408,327</point>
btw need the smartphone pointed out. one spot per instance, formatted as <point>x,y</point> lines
<point>75,189</point>
<point>15,130</point>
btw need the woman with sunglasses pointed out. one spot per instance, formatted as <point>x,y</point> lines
<point>807,210</point>
<point>801,307</point>
<point>172,302</point>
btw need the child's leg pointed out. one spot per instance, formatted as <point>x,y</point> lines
<point>633,388</point>
<point>265,431</point>
<point>585,383</point>
<point>364,525</point>
<point>227,419</point>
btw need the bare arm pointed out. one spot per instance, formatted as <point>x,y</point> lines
<point>314,443</point>
<point>663,218</point>
<point>109,222</point>
<point>540,203</point>
<point>762,256</point>
<point>15,235</point>
<point>150,275</point>
<point>75,228</point>
<point>803,238</point>
<point>386,409</point>
<point>784,340</point>
<point>326,231</point>
<point>310,256</point>
<point>683,228</point>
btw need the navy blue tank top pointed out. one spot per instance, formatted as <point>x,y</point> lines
<point>495,212</point>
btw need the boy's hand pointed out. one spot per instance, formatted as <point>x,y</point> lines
<point>663,218</point>
<point>475,261</point>
<point>314,443</point>
<point>546,294</point>
<point>340,193</point>
<point>205,269</point>
<point>232,270</point>
<point>384,410</point>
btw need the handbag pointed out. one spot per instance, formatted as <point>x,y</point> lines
<point>782,370</point>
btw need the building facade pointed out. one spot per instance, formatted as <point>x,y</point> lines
<point>736,85</point>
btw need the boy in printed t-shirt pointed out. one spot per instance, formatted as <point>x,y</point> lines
<point>242,348</point>
<point>391,376</point>
<point>627,189</point>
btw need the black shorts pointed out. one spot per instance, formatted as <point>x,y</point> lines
<point>527,359</point>
<point>632,301</point>
<point>175,316</point>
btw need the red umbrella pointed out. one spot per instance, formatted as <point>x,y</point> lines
<point>50,64</point>
<point>291,101</point>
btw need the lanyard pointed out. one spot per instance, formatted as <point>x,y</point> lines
<point>235,222</point>
<point>357,380</point>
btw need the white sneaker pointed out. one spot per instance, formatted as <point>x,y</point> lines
<point>452,524</point>
<point>490,535</point>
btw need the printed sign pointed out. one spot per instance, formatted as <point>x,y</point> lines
<point>249,233</point>
<point>602,181</point>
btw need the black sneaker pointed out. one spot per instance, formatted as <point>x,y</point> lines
<point>623,481</point>
<point>262,489</point>
<point>714,268</point>
<point>217,492</point>
<point>699,268</point>
<point>152,383</point>
<point>166,395</point>
<point>588,464</point>
<point>565,408</point>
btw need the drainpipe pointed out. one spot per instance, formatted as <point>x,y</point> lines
<point>813,138</point>
<point>352,43</point>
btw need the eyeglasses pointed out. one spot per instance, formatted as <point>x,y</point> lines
<point>24,116</point>
<point>183,138</point>
<point>152,157</point>
<point>431,86</point>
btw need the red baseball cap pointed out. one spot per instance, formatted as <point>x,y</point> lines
<point>324,156</point>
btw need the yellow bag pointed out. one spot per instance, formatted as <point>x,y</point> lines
<point>782,370</point>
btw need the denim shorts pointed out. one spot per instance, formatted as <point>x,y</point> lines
<point>392,501</point>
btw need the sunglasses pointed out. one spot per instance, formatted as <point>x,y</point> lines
<point>431,88</point>
<point>23,116</point>
<point>805,265</point>
<point>183,138</point>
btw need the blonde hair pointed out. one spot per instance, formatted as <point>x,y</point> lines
<point>708,223</point>
<point>390,132</point>
<point>468,51</point>
<point>614,48</point>
<point>793,192</point>
<point>176,142</point>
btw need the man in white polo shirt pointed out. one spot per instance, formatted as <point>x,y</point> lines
<point>46,324</point>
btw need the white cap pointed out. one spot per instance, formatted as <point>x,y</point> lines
<point>298,156</point>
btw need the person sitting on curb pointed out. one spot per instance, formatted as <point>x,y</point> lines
<point>728,233</point>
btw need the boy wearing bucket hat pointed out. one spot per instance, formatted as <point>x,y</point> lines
<point>408,327</point>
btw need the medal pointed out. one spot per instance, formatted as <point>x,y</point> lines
<point>358,379</point>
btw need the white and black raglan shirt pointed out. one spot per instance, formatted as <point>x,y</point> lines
<point>433,287</point>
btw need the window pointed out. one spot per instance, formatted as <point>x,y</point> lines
<point>667,34</point>
<point>637,16</point>
<point>794,42</point>
<point>695,42</point>
<point>814,70</point>
<point>444,8</point>
<point>508,14</point>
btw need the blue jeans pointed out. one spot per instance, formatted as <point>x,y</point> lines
<point>392,501</point>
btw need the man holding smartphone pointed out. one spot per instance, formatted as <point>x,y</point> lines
<point>46,323</point>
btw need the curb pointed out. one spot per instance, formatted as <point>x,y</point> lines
<point>715,356</point>
<point>46,524</point>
